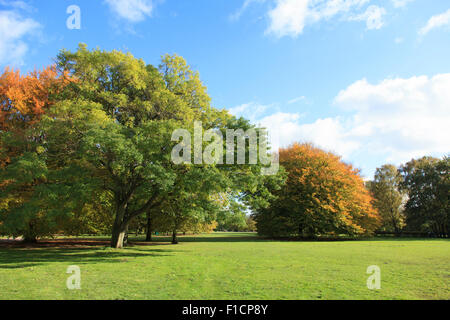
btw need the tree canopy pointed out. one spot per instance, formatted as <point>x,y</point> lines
<point>427,183</point>
<point>389,197</point>
<point>108,133</point>
<point>322,195</point>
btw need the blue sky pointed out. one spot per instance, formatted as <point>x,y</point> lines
<point>367,79</point>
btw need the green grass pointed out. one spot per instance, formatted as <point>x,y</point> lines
<point>232,266</point>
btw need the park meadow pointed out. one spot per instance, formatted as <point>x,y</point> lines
<point>120,180</point>
<point>230,266</point>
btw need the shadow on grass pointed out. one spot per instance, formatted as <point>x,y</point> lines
<point>394,239</point>
<point>182,239</point>
<point>139,241</point>
<point>16,258</point>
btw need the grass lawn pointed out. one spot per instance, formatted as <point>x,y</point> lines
<point>231,266</point>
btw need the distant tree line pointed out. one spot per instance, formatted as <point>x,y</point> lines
<point>414,197</point>
<point>324,196</point>
<point>85,148</point>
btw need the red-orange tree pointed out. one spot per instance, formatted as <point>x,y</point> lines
<point>25,98</point>
<point>322,195</point>
<point>23,101</point>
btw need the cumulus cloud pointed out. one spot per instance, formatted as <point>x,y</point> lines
<point>328,133</point>
<point>373,17</point>
<point>437,21</point>
<point>236,15</point>
<point>131,10</point>
<point>14,30</point>
<point>396,119</point>
<point>251,110</point>
<point>400,3</point>
<point>16,4</point>
<point>401,118</point>
<point>290,17</point>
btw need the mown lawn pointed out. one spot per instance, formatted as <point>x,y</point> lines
<point>231,266</point>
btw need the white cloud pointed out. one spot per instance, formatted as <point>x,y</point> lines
<point>328,133</point>
<point>289,17</point>
<point>402,118</point>
<point>373,17</point>
<point>396,119</point>
<point>240,12</point>
<point>400,3</point>
<point>14,29</point>
<point>131,10</point>
<point>16,4</point>
<point>298,99</point>
<point>436,21</point>
<point>251,110</point>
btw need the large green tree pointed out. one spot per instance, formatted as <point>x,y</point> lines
<point>119,116</point>
<point>111,133</point>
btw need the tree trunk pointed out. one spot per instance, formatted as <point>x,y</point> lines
<point>120,225</point>
<point>29,238</point>
<point>119,231</point>
<point>29,235</point>
<point>148,238</point>
<point>118,235</point>
<point>174,237</point>
<point>125,238</point>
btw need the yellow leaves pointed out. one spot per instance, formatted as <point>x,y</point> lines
<point>40,150</point>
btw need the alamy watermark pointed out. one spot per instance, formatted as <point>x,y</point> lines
<point>253,142</point>
<point>74,281</point>
<point>74,20</point>
<point>374,281</point>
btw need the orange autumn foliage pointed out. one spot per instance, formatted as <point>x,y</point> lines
<point>23,101</point>
<point>322,195</point>
<point>24,98</point>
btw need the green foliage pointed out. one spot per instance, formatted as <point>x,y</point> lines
<point>232,215</point>
<point>111,130</point>
<point>389,198</point>
<point>427,183</point>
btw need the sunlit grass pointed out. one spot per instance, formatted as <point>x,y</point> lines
<point>231,266</point>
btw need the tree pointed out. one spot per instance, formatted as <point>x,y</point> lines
<point>386,190</point>
<point>231,214</point>
<point>119,117</point>
<point>111,130</point>
<point>24,100</point>
<point>427,183</point>
<point>251,224</point>
<point>322,195</point>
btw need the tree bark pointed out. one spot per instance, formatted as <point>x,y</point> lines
<point>174,237</point>
<point>119,228</point>
<point>125,237</point>
<point>148,237</point>
<point>118,235</point>
<point>30,239</point>
<point>29,235</point>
